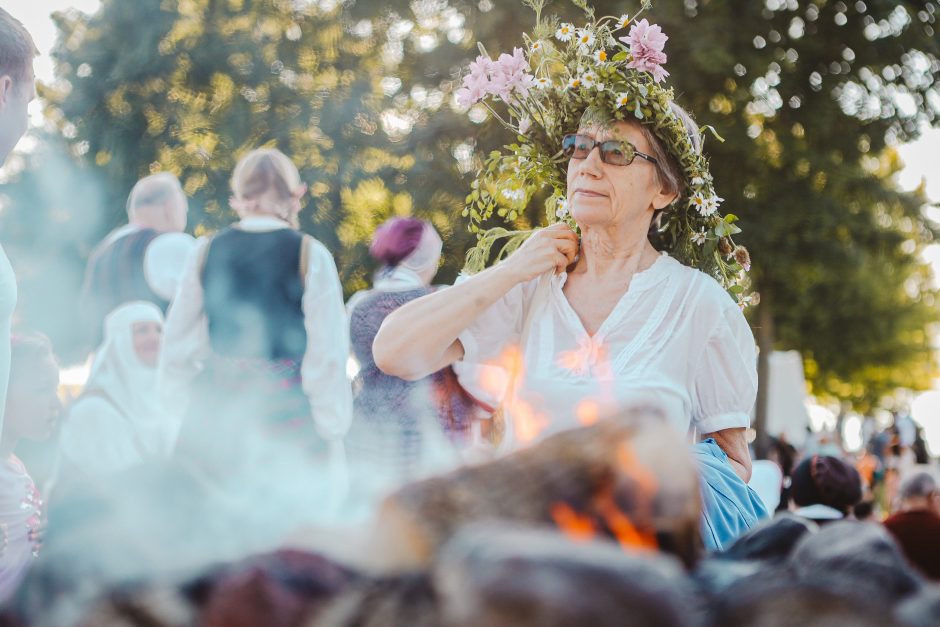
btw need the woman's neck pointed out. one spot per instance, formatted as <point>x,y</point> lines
<point>262,214</point>
<point>606,251</point>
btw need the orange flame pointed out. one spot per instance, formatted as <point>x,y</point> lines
<point>633,468</point>
<point>576,526</point>
<point>588,412</point>
<point>628,535</point>
<point>527,423</point>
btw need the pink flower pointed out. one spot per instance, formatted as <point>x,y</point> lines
<point>511,73</point>
<point>508,74</point>
<point>476,84</point>
<point>647,42</point>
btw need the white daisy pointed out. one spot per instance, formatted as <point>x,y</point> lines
<point>586,38</point>
<point>623,22</point>
<point>600,56</point>
<point>698,181</point>
<point>543,83</point>
<point>537,46</point>
<point>711,204</point>
<point>561,212</point>
<point>699,238</point>
<point>575,83</point>
<point>565,32</point>
<point>699,203</point>
<point>622,99</point>
<point>589,78</point>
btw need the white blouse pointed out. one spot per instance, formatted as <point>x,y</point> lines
<point>675,341</point>
<point>97,440</point>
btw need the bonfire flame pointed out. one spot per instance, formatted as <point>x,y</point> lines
<point>607,515</point>
<point>527,423</point>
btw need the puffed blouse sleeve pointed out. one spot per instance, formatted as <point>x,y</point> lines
<point>497,328</point>
<point>725,378</point>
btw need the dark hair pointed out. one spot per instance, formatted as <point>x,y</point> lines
<point>396,239</point>
<point>16,47</point>
<point>826,480</point>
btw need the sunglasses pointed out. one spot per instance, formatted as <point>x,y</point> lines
<point>613,152</point>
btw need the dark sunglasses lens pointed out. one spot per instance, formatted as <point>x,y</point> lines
<point>577,146</point>
<point>617,153</point>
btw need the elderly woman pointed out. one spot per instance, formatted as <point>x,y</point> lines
<point>601,318</point>
<point>617,322</point>
<point>257,337</point>
<point>398,426</point>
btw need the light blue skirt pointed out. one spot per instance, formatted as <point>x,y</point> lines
<point>729,506</point>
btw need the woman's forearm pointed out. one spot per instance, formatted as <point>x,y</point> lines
<point>734,443</point>
<point>420,337</point>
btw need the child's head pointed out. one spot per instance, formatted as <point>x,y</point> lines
<point>265,181</point>
<point>33,404</point>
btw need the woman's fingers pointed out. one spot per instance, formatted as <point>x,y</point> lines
<point>569,249</point>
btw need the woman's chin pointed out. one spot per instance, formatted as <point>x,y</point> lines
<point>591,216</point>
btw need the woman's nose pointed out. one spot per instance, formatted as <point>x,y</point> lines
<point>592,163</point>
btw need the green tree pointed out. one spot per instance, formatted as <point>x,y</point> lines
<point>809,96</point>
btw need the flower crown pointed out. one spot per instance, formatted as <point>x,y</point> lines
<point>566,76</point>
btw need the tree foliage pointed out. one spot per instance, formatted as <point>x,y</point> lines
<point>810,98</point>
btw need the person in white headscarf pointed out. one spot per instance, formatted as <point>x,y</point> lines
<point>116,423</point>
<point>400,428</point>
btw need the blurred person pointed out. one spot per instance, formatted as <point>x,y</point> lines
<point>786,457</point>
<point>866,510</point>
<point>858,559</point>
<point>17,90</point>
<point>117,421</point>
<point>255,350</point>
<point>825,489</point>
<point>17,81</point>
<point>919,448</point>
<point>32,409</point>
<point>395,421</point>
<point>916,525</point>
<point>116,271</point>
<point>868,466</point>
<point>767,481</point>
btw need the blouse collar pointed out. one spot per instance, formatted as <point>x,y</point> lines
<point>642,280</point>
<point>262,223</point>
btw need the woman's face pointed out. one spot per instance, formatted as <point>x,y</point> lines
<point>601,195</point>
<point>146,337</point>
<point>33,404</point>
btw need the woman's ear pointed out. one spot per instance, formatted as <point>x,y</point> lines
<point>664,198</point>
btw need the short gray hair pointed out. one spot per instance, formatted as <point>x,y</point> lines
<point>669,172</point>
<point>155,189</point>
<point>918,486</point>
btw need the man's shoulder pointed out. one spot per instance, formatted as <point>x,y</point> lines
<point>920,518</point>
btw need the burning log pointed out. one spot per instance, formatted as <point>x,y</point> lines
<point>490,575</point>
<point>630,479</point>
